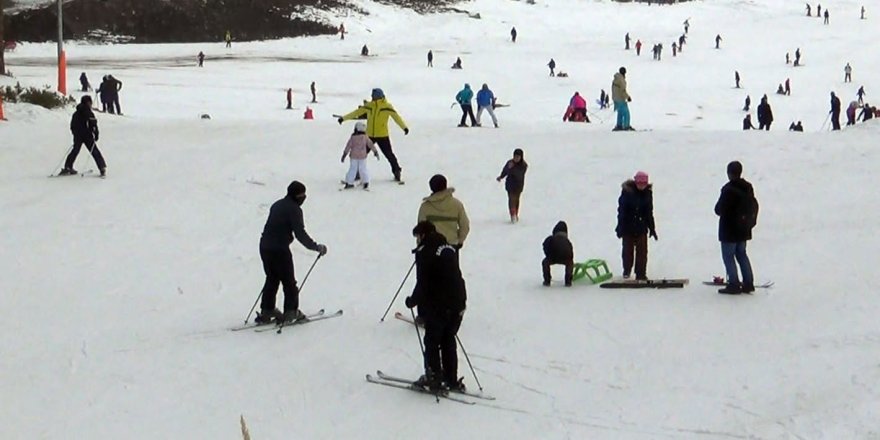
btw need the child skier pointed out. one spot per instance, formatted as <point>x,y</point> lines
<point>357,149</point>
<point>515,172</point>
<point>558,250</point>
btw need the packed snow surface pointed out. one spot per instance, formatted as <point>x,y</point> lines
<point>118,293</point>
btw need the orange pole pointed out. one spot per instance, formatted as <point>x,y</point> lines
<point>62,73</point>
<point>2,118</point>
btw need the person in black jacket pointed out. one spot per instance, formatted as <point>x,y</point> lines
<point>737,211</point>
<point>84,127</point>
<point>114,86</point>
<point>635,221</point>
<point>765,114</point>
<point>284,223</point>
<point>558,250</point>
<point>835,112</point>
<point>441,297</point>
<point>747,122</point>
<point>515,172</point>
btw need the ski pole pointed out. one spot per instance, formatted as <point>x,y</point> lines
<point>253,307</point>
<point>469,362</point>
<point>306,278</point>
<point>826,121</point>
<point>398,291</point>
<point>602,121</point>
<point>61,161</point>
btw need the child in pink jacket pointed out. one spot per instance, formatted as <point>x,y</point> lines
<point>357,148</point>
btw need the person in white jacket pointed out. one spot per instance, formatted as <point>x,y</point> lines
<point>357,149</point>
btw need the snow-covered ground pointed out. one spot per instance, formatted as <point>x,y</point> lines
<point>118,292</point>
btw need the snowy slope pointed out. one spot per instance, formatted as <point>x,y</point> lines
<point>118,292</point>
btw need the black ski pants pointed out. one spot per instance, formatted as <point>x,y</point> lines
<point>91,146</point>
<point>466,111</point>
<point>384,144</point>
<point>441,350</point>
<point>835,121</point>
<point>113,104</point>
<point>635,246</point>
<point>764,126</point>
<point>569,269</point>
<point>278,266</point>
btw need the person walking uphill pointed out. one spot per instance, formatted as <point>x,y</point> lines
<point>463,98</point>
<point>284,223</point>
<point>621,99</point>
<point>445,212</point>
<point>765,114</point>
<point>357,149</point>
<point>558,250</point>
<point>635,221</point>
<point>737,211</point>
<point>377,111</point>
<point>835,112</point>
<point>486,101</point>
<point>441,297</point>
<point>515,173</point>
<point>84,127</point>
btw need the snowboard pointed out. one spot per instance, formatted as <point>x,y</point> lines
<point>764,285</point>
<point>661,283</point>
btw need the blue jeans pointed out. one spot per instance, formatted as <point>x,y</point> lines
<point>733,253</point>
<point>622,109</point>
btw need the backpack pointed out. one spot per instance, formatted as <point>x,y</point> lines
<point>749,212</point>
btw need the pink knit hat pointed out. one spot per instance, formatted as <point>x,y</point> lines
<point>641,177</point>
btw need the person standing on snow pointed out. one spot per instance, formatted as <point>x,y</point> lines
<point>314,91</point>
<point>635,221</point>
<point>861,94</point>
<point>737,211</point>
<point>736,77</point>
<point>558,250</point>
<point>626,41</point>
<point>486,101</point>
<point>513,33</point>
<point>788,87</point>
<point>718,41</point>
<point>430,58</point>
<point>84,82</point>
<point>638,47</point>
<point>621,99</point>
<point>826,15</point>
<point>114,86</point>
<point>357,149</point>
<point>463,98</point>
<point>228,39</point>
<point>201,58</point>
<point>284,223</point>
<point>515,173</point>
<point>847,73</point>
<point>446,212</point>
<point>84,127</point>
<point>441,297</point>
<point>377,112</point>
<point>765,114</point>
<point>835,112</point>
<point>748,103</point>
<point>552,65</point>
<point>747,122</point>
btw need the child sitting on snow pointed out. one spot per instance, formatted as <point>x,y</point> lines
<point>558,250</point>
<point>357,149</point>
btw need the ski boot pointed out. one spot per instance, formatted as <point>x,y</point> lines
<point>366,187</point>
<point>427,382</point>
<point>731,289</point>
<point>267,316</point>
<point>292,316</point>
<point>67,172</point>
<point>348,186</point>
<point>456,386</point>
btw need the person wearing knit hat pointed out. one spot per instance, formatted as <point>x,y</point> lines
<point>635,222</point>
<point>558,250</point>
<point>284,223</point>
<point>357,149</point>
<point>446,212</point>
<point>515,173</point>
<point>377,111</point>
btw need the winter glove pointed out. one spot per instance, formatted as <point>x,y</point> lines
<point>629,100</point>
<point>342,160</point>
<point>410,302</point>
<point>377,156</point>
<point>498,179</point>
<point>654,234</point>
<point>339,120</point>
<point>405,131</point>
<point>322,250</point>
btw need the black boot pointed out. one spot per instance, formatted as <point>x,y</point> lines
<point>731,289</point>
<point>267,316</point>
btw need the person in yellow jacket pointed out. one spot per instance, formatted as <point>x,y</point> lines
<point>377,112</point>
<point>445,212</point>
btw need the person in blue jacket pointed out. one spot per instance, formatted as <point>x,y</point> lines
<point>464,98</point>
<point>486,101</point>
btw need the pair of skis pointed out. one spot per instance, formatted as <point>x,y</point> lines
<point>406,384</point>
<point>317,316</point>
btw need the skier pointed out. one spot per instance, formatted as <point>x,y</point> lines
<point>201,58</point>
<point>558,250</point>
<point>446,212</point>
<point>289,99</point>
<point>797,57</point>
<point>577,109</point>
<point>847,73</point>
<point>765,114</point>
<point>552,65</point>
<point>626,41</point>
<point>486,101</point>
<point>718,41</point>
<point>357,149</point>
<point>457,63</point>
<point>674,48</point>
<point>463,98</point>
<point>441,298</point>
<point>736,78</point>
<point>835,112</point>
<point>788,86</point>
<point>314,91</point>
<point>377,113</point>
<point>861,94</point>
<point>513,34</point>
<point>635,222</point>
<point>638,47</point>
<point>114,86</point>
<point>748,103</point>
<point>84,82</point>
<point>851,113</point>
<point>514,172</point>
<point>747,122</point>
<point>285,222</point>
<point>365,51</point>
<point>621,99</point>
<point>84,127</point>
<point>737,211</point>
<point>826,15</point>
<point>228,39</point>
<point>430,58</point>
